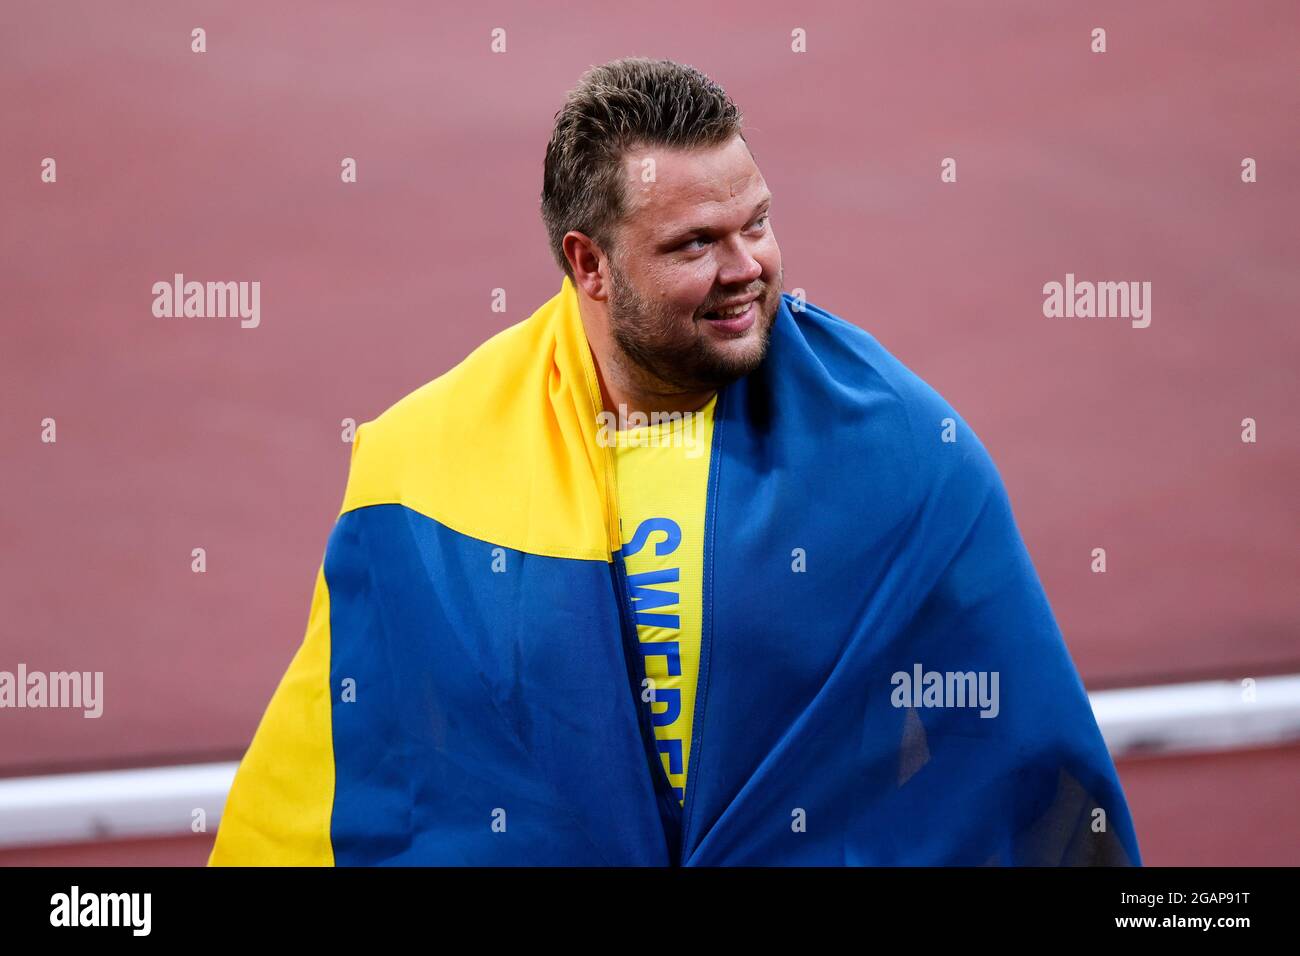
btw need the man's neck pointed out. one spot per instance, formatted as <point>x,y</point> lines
<point>623,401</point>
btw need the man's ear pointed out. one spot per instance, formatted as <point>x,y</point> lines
<point>589,264</point>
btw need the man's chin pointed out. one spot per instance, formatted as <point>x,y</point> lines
<point>736,358</point>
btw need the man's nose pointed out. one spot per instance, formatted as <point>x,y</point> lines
<point>738,265</point>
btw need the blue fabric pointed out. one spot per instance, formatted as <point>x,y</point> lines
<point>479,692</point>
<point>912,557</point>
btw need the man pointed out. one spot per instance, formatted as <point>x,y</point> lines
<point>681,570</point>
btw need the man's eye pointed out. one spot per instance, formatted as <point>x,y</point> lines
<point>760,222</point>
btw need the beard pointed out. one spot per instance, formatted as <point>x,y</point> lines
<point>662,354</point>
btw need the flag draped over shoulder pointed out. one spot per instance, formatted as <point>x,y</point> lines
<point>882,681</point>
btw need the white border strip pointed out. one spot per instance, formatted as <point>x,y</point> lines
<point>1211,715</point>
<point>112,805</point>
<point>155,802</point>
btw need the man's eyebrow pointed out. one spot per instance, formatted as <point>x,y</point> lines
<point>684,234</point>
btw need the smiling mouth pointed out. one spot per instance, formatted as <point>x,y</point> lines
<point>734,321</point>
<point>731,312</point>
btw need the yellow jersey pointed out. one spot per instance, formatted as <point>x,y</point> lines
<point>663,476</point>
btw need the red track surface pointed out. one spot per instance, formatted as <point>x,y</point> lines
<point>182,433</point>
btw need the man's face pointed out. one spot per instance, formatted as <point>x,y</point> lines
<point>695,239</point>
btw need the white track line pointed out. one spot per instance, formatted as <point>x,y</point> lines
<point>115,804</point>
<point>1211,715</point>
<point>161,801</point>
